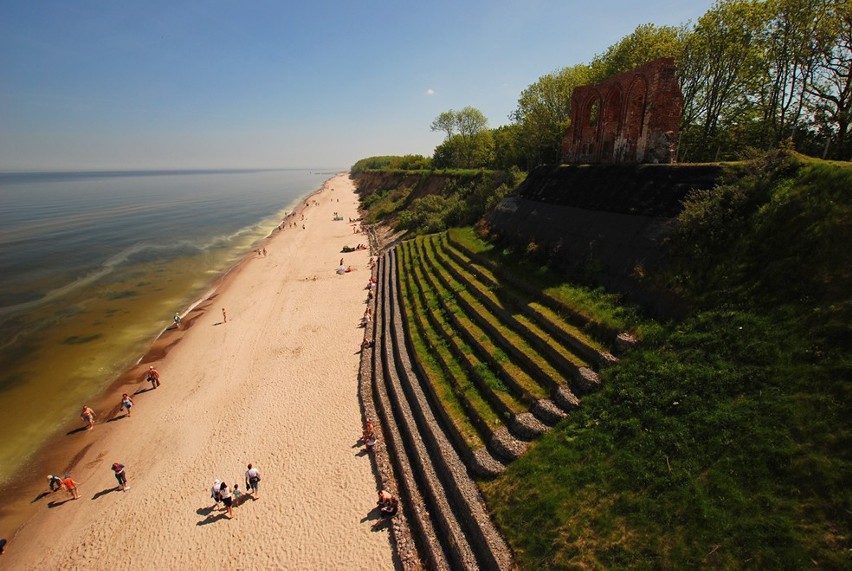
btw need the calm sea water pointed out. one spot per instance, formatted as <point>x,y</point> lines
<point>93,265</point>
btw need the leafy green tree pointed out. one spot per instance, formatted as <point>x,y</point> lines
<point>447,153</point>
<point>472,125</point>
<point>407,162</point>
<point>718,65</point>
<point>446,122</point>
<point>647,42</point>
<point>458,152</point>
<point>507,147</point>
<point>468,141</point>
<point>544,113</point>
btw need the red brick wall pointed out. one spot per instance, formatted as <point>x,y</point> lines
<point>632,117</point>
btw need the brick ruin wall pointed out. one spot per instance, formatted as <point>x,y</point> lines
<point>632,117</point>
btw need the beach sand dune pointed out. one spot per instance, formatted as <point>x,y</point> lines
<point>276,385</point>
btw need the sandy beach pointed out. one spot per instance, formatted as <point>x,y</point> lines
<point>275,385</point>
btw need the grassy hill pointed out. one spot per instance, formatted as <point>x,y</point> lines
<point>723,439</point>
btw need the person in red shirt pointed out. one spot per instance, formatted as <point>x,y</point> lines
<point>70,485</point>
<point>153,377</point>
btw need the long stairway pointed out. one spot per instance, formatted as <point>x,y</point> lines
<point>450,522</point>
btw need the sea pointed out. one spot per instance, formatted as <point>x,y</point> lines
<point>94,265</point>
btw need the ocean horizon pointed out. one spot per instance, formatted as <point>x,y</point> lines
<point>94,265</point>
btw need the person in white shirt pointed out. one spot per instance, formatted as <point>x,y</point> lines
<point>253,481</point>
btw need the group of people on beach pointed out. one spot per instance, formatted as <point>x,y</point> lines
<point>387,503</point>
<point>56,483</point>
<point>88,416</point>
<point>222,494</point>
<point>233,497</point>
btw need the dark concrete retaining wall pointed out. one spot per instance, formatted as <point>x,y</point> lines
<point>607,222</point>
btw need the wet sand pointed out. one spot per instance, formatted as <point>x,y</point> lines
<point>275,386</point>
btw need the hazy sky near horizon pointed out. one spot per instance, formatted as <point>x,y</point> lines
<point>177,84</point>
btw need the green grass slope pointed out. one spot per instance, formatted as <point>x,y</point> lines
<point>723,441</point>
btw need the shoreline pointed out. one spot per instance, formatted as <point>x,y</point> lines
<point>57,445</point>
<point>63,447</point>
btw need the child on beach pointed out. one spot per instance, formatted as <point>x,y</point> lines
<point>71,486</point>
<point>238,495</point>
<point>177,320</point>
<point>120,476</point>
<point>126,403</point>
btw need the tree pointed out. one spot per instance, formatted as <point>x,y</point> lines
<point>471,123</point>
<point>830,87</point>
<point>790,47</point>
<point>647,43</point>
<point>446,122</point>
<point>718,63</point>
<point>544,114</point>
<point>507,147</point>
<point>465,141</point>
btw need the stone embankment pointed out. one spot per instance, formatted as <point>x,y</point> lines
<point>428,455</point>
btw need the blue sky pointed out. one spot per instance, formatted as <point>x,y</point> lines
<point>177,84</point>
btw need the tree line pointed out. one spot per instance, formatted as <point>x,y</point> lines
<point>755,74</point>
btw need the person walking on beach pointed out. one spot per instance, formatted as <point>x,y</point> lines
<point>120,476</point>
<point>71,486</point>
<point>224,316</point>
<point>225,494</point>
<point>88,416</point>
<point>153,377</point>
<point>177,320</point>
<point>126,403</point>
<point>239,496</point>
<point>253,481</point>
